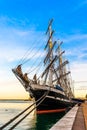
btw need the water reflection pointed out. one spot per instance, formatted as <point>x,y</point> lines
<point>46,121</point>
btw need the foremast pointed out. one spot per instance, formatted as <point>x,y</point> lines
<point>49,56</point>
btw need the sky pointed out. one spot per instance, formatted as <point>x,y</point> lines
<point>23,24</point>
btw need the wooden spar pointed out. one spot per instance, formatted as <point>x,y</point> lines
<point>56,75</point>
<point>56,57</point>
<point>19,78</point>
<point>61,76</point>
<point>64,63</point>
<point>59,45</point>
<point>49,25</point>
<point>48,54</point>
<point>49,39</point>
<point>50,32</point>
<point>49,66</point>
<point>49,45</point>
<point>46,76</point>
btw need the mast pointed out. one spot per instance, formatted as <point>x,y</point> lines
<point>63,72</point>
<point>49,56</point>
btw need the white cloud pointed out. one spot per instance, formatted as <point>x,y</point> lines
<point>79,71</point>
<point>15,42</point>
<point>10,54</point>
<point>79,77</point>
<point>76,47</point>
<point>78,52</point>
<point>75,37</point>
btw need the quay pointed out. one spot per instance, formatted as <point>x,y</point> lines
<point>75,119</point>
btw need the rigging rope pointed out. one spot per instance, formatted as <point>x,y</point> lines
<point>29,51</point>
<point>39,68</point>
<point>36,52</point>
<point>35,67</point>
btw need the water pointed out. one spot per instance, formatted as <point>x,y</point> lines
<point>9,109</point>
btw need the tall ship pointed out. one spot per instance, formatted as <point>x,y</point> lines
<point>53,88</point>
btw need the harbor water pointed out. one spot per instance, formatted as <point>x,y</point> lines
<point>9,109</point>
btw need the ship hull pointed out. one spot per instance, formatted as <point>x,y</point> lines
<point>53,102</point>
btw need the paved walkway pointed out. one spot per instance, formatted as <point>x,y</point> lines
<point>75,119</point>
<point>79,123</point>
<point>84,107</point>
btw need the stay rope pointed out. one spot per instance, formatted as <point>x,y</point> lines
<point>29,51</point>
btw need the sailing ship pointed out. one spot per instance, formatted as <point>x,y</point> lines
<point>56,83</point>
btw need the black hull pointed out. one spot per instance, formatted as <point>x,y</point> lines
<point>54,102</point>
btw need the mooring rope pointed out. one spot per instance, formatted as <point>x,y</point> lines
<point>27,113</point>
<point>13,119</point>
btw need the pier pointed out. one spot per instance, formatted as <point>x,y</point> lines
<point>75,119</point>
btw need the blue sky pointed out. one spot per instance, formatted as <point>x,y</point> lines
<point>23,22</point>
